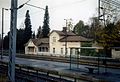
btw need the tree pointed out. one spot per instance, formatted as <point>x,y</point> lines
<point>33,35</point>
<point>23,35</point>
<point>108,37</point>
<point>39,32</point>
<point>45,28</point>
<point>28,29</point>
<point>6,41</point>
<point>117,44</point>
<point>78,29</point>
<point>94,27</point>
<point>81,29</point>
<point>20,39</point>
<point>0,42</point>
<point>86,31</point>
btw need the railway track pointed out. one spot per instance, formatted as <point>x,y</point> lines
<point>28,75</point>
<point>83,60</point>
<point>92,61</point>
<point>33,74</point>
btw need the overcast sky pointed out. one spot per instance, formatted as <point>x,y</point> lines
<point>58,11</point>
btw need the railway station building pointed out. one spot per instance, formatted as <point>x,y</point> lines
<point>59,43</point>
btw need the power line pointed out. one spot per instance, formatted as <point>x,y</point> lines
<point>12,41</point>
<point>109,11</point>
<point>112,3</point>
<point>35,6</point>
<point>26,3</point>
<point>23,4</point>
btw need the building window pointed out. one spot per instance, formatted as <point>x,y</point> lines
<point>71,51</point>
<point>76,51</point>
<point>40,49</point>
<point>46,49</point>
<point>35,49</point>
<point>43,49</point>
<point>66,50</point>
<point>53,50</point>
<point>54,39</point>
<point>61,50</point>
<point>117,49</point>
<point>30,49</point>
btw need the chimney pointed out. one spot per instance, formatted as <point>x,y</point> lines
<point>64,29</point>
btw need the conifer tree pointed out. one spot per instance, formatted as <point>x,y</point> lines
<point>28,29</point>
<point>33,35</point>
<point>45,28</point>
<point>39,32</point>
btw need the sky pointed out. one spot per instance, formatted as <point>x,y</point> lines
<point>58,11</point>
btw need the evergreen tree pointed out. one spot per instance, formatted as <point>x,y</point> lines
<point>45,28</point>
<point>20,39</point>
<point>0,42</point>
<point>33,35</point>
<point>79,28</point>
<point>28,29</point>
<point>6,41</point>
<point>86,31</point>
<point>39,32</point>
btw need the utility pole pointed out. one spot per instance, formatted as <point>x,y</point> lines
<point>67,29</point>
<point>95,32</point>
<point>2,31</point>
<point>12,38</point>
<point>66,38</point>
<point>12,41</point>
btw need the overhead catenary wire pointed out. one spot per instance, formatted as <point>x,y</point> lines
<point>115,4</point>
<point>35,6</point>
<point>26,3</point>
<point>23,4</point>
<point>111,9</point>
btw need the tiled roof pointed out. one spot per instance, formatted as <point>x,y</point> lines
<point>39,41</point>
<point>74,39</point>
<point>61,33</point>
<point>44,45</point>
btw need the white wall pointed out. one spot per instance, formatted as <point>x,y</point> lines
<point>115,54</point>
<point>31,44</point>
<point>43,53</point>
<point>58,45</point>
